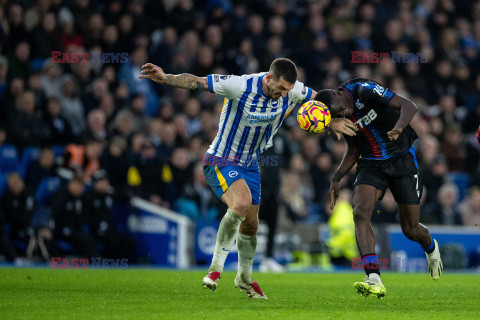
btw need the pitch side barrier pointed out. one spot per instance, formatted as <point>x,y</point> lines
<point>459,246</point>
<point>163,236</point>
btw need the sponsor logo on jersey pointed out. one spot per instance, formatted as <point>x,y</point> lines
<point>233,174</point>
<point>262,118</point>
<point>366,119</point>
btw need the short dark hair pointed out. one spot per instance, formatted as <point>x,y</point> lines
<point>283,67</point>
<point>77,178</point>
<point>325,96</point>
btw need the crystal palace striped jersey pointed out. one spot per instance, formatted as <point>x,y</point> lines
<point>249,118</point>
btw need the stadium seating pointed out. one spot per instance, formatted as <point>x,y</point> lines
<point>9,161</point>
<point>58,150</point>
<point>29,154</point>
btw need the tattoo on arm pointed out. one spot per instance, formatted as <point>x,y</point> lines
<point>187,81</point>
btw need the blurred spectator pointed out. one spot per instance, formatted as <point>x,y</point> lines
<point>470,208</point>
<point>61,132</point>
<point>19,62</point>
<point>41,168</point>
<point>182,170</point>
<point>99,216</point>
<point>444,210</point>
<point>25,125</point>
<point>115,161</point>
<point>16,30</point>
<point>51,79</point>
<point>155,176</point>
<point>94,94</point>
<point>84,160</point>
<point>68,214</point>
<point>453,148</point>
<point>96,126</point>
<point>123,125</point>
<point>45,37</point>
<point>72,107</point>
<point>18,205</point>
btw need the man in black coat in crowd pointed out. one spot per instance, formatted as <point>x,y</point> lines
<point>17,205</point>
<point>43,167</point>
<point>98,214</point>
<point>67,212</point>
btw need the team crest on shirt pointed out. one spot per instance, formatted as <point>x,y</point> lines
<point>274,103</point>
<point>359,104</point>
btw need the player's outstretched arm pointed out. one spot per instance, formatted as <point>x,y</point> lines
<point>407,111</point>
<point>184,80</point>
<point>349,159</point>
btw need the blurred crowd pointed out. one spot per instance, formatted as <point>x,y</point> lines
<point>148,140</point>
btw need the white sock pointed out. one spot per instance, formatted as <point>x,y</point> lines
<point>246,251</point>
<point>227,232</point>
<point>375,277</point>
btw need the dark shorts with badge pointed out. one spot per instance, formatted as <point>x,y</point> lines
<point>399,173</point>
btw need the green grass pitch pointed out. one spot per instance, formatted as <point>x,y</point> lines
<point>161,294</point>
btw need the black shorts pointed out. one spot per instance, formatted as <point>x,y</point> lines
<point>399,173</point>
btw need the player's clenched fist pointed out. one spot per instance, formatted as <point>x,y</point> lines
<point>153,72</point>
<point>394,134</point>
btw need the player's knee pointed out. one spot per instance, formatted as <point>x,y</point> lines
<point>361,213</point>
<point>242,204</point>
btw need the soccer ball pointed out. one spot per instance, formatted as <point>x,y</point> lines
<point>314,117</point>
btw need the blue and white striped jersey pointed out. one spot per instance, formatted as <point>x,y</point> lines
<point>249,118</point>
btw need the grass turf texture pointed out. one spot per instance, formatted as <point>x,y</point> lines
<point>161,294</point>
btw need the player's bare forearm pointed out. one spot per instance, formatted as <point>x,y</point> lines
<point>187,81</point>
<point>407,111</point>
<point>184,80</point>
<point>349,159</point>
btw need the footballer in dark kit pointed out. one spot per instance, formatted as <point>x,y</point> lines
<point>383,149</point>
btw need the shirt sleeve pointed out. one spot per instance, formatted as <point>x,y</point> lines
<point>378,94</point>
<point>301,93</point>
<point>228,86</point>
